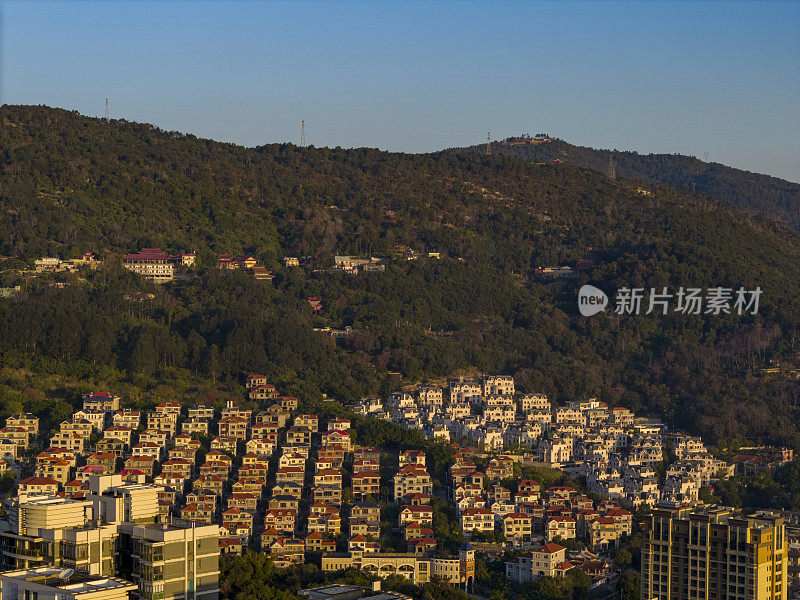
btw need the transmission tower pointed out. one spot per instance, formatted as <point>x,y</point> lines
<point>488,141</point>
<point>303,133</point>
<point>612,168</point>
<point>705,156</point>
<point>106,110</point>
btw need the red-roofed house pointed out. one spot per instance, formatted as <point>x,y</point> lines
<point>542,562</point>
<point>416,514</point>
<point>230,546</point>
<point>560,526</point>
<point>518,527</point>
<point>316,542</point>
<point>38,485</point>
<point>476,519</point>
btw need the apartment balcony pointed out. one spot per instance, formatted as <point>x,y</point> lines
<point>24,553</point>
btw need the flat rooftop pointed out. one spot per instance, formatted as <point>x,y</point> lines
<point>68,580</point>
<point>49,500</point>
<point>328,591</point>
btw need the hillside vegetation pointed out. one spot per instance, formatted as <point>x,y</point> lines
<point>753,192</point>
<point>70,184</point>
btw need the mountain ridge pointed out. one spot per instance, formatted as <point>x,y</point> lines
<point>754,192</point>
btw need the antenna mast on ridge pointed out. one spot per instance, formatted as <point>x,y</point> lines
<point>106,110</point>
<point>488,141</point>
<point>303,133</point>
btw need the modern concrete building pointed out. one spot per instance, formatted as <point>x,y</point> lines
<point>177,561</point>
<point>113,532</point>
<point>32,519</point>
<point>53,583</point>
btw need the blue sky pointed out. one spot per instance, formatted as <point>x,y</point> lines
<point>685,77</point>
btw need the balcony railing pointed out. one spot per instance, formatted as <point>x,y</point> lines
<point>24,552</point>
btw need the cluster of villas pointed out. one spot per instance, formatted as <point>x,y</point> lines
<point>303,485</point>
<point>269,479</point>
<point>274,479</point>
<point>530,515</point>
<point>616,452</point>
<point>412,493</point>
<point>494,504</point>
<point>217,484</point>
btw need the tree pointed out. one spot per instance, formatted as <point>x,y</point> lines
<point>197,348</point>
<point>143,358</point>
<point>623,558</point>
<point>629,585</point>
<point>578,582</point>
<point>211,362</point>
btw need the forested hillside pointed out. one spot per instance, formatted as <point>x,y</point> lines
<point>70,184</point>
<point>756,193</point>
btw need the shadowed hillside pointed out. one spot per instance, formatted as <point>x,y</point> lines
<point>71,184</point>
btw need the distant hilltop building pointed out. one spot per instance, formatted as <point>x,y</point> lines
<point>47,263</point>
<point>556,272</point>
<point>352,264</point>
<point>157,265</point>
<point>230,263</point>
<point>8,292</point>
<point>244,263</point>
<point>525,139</point>
<point>151,263</point>
<point>315,303</point>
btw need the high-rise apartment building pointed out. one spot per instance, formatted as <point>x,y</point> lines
<point>713,553</point>
<point>113,532</point>
<point>176,561</point>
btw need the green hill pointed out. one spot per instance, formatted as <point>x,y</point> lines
<point>758,194</point>
<point>69,184</point>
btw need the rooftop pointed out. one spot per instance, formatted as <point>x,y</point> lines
<point>68,580</point>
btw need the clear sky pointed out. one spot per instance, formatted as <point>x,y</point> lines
<point>684,77</point>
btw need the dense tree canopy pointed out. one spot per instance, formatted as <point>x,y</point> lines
<point>73,184</point>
